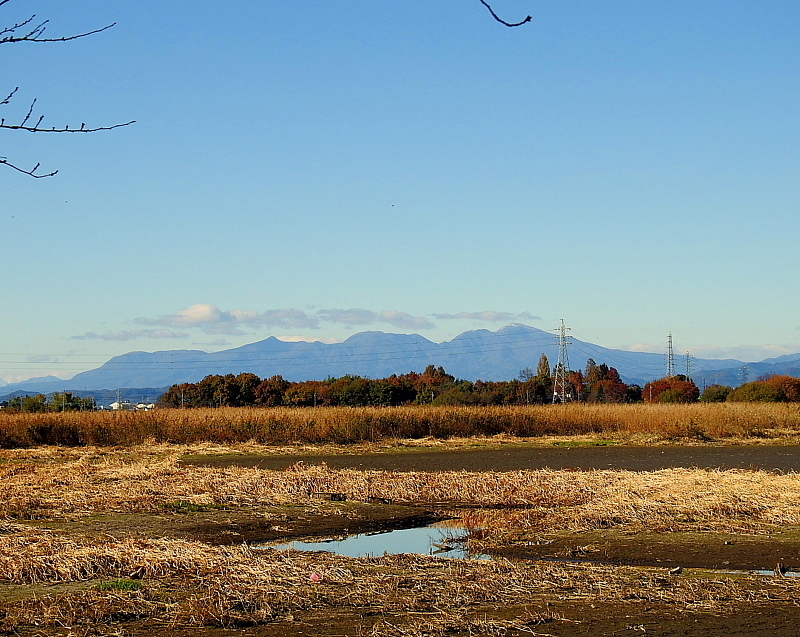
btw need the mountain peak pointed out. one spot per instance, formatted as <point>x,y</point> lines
<point>476,354</point>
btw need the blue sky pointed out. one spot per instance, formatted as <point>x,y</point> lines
<point>310,170</point>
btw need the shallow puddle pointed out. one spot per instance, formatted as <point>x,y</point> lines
<point>442,539</point>
<point>767,571</point>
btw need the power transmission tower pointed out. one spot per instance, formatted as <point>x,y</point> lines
<point>688,364</point>
<point>670,357</point>
<point>562,392</point>
<point>745,374</point>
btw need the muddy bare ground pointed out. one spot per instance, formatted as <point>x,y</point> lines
<point>720,551</point>
<point>571,619</point>
<point>568,616</point>
<point>616,546</point>
<point>512,457</point>
<point>252,524</point>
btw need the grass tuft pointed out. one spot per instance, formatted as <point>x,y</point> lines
<point>122,584</point>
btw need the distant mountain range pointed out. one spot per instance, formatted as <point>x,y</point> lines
<point>477,354</point>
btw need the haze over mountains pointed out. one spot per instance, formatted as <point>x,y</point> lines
<point>477,354</point>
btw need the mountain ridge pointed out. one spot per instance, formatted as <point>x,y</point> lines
<point>472,355</point>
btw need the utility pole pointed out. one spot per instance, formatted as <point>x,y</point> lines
<point>562,393</point>
<point>670,357</point>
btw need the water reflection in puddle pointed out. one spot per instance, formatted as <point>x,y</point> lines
<point>443,539</point>
<point>771,572</point>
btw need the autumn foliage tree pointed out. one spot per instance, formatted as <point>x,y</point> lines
<point>270,391</point>
<point>432,386</point>
<point>770,389</point>
<point>603,384</point>
<point>672,389</point>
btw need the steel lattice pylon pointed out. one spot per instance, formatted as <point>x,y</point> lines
<point>562,391</point>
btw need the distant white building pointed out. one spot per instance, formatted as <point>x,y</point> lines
<point>126,405</point>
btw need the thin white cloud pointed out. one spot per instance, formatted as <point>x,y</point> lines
<point>289,319</point>
<point>211,320</point>
<point>360,316</point>
<point>404,320</point>
<point>489,316</point>
<point>129,335</point>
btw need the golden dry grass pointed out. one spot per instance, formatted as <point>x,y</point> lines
<point>667,499</point>
<point>223,586</point>
<point>349,425</point>
<point>188,583</point>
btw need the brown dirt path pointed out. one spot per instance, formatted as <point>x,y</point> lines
<point>782,459</point>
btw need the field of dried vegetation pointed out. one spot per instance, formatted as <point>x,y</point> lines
<point>123,538</point>
<point>346,425</point>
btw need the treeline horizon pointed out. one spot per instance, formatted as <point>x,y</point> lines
<point>596,384</point>
<point>434,386</point>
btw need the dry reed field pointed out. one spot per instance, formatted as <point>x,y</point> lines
<point>188,584</point>
<point>345,425</point>
<point>701,499</point>
<point>58,579</point>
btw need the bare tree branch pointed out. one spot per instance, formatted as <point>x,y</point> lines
<point>500,20</point>
<point>38,128</point>
<point>10,95</point>
<point>29,31</point>
<point>31,172</point>
<point>19,25</point>
<point>34,35</point>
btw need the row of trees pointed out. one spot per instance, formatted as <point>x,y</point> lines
<point>772,388</point>
<point>595,384</point>
<point>599,383</point>
<point>59,401</point>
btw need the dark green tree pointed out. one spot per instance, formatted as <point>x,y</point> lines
<point>715,394</point>
<point>757,391</point>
